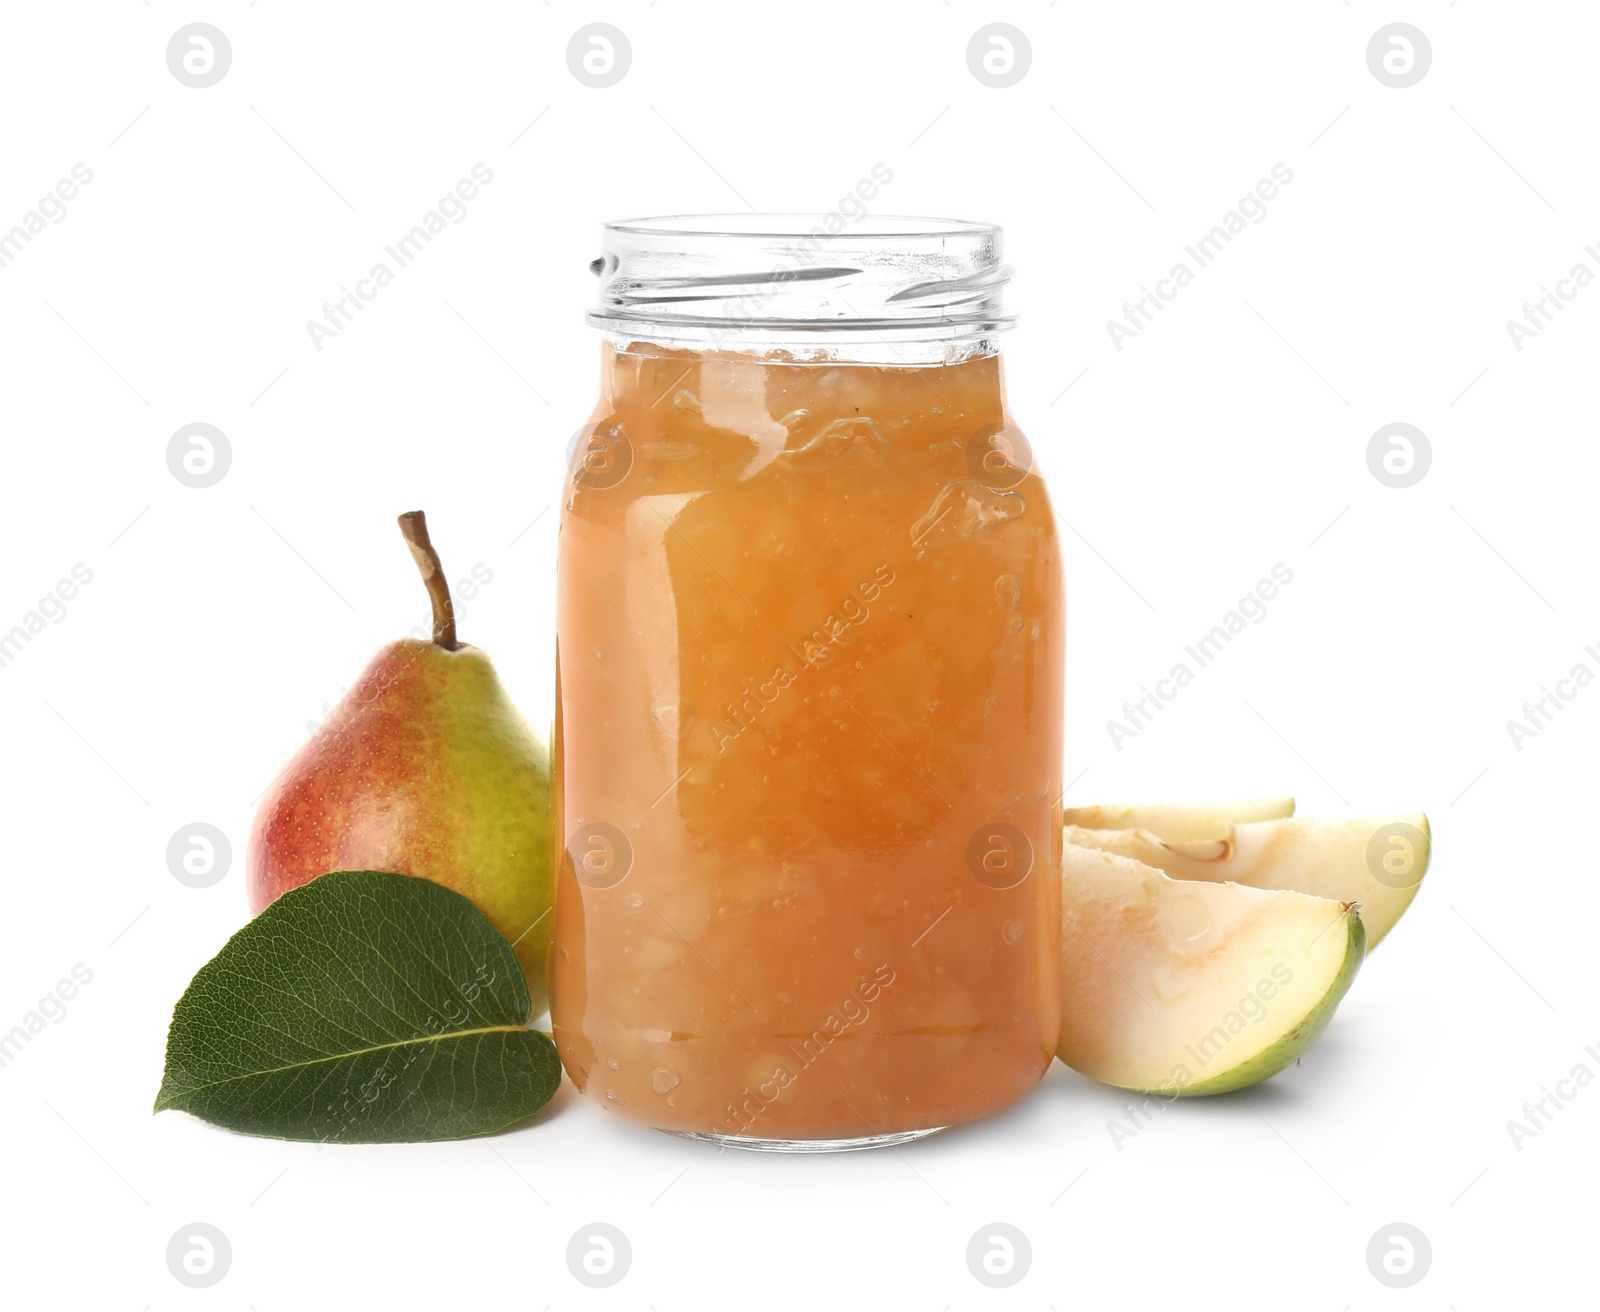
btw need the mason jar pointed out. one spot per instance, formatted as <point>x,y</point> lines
<point>808,744</point>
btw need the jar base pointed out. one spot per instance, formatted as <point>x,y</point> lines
<point>752,1144</point>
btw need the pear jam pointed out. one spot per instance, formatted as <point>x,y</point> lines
<point>808,748</point>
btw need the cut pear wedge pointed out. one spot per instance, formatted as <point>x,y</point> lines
<point>1189,988</point>
<point>1181,821</point>
<point>1376,860</point>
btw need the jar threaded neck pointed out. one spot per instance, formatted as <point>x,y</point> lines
<point>787,281</point>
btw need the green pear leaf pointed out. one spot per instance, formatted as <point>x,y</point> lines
<point>362,1007</point>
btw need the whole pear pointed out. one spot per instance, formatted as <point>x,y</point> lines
<point>424,768</point>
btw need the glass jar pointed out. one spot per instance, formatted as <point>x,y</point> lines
<point>809,691</point>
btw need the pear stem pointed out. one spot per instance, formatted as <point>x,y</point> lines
<point>414,528</point>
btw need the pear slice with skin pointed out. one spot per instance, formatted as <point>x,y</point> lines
<point>1181,821</point>
<point>1376,860</point>
<point>1189,988</point>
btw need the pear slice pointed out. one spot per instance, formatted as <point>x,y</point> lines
<point>1376,860</point>
<point>1187,988</point>
<point>1181,821</point>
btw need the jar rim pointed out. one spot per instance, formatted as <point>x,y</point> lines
<point>799,225</point>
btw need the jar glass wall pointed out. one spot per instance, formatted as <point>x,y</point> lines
<point>809,691</point>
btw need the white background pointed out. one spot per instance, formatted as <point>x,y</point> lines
<point>1229,436</point>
